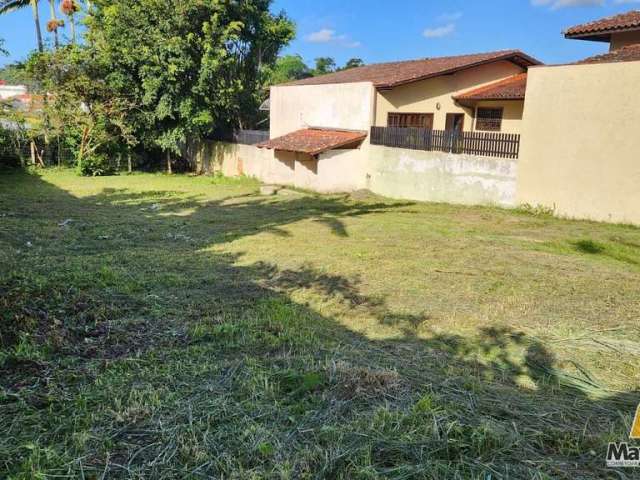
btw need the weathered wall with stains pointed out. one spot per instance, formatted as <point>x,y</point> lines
<point>335,171</point>
<point>442,177</point>
<point>391,172</point>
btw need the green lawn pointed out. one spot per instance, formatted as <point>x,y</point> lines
<point>180,327</point>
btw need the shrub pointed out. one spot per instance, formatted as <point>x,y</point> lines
<point>96,165</point>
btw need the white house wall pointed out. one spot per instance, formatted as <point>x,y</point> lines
<point>347,106</point>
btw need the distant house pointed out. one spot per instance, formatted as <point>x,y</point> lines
<point>324,130</point>
<point>619,31</point>
<point>10,91</point>
<point>480,92</point>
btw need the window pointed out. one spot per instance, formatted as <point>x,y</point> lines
<point>411,120</point>
<point>489,119</point>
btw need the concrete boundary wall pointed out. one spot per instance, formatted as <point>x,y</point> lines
<point>442,177</point>
<point>391,172</point>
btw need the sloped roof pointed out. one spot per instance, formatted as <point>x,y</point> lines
<point>314,141</point>
<point>630,53</point>
<point>389,75</point>
<point>512,88</point>
<point>600,30</point>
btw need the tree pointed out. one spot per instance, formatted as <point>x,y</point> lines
<point>54,24</point>
<point>70,8</point>
<point>288,68</point>
<point>7,6</point>
<point>16,74</point>
<point>324,65</point>
<point>3,51</point>
<point>189,67</point>
<point>353,63</point>
<point>83,112</point>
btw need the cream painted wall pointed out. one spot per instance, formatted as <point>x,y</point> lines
<point>349,106</point>
<point>422,97</point>
<point>442,177</point>
<point>580,151</point>
<point>335,171</point>
<point>619,40</point>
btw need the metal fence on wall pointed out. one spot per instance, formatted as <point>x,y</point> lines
<point>489,144</point>
<point>37,153</point>
<point>250,137</point>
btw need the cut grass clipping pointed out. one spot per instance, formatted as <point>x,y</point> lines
<point>177,327</point>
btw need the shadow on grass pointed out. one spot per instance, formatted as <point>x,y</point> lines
<point>136,350</point>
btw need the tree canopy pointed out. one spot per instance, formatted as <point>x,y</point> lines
<point>324,65</point>
<point>353,63</point>
<point>188,67</point>
<point>288,68</point>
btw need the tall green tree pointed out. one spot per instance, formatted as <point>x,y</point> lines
<point>189,67</point>
<point>288,68</point>
<point>7,6</point>
<point>324,65</point>
<point>353,63</point>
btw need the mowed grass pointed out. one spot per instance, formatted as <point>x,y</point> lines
<point>181,327</point>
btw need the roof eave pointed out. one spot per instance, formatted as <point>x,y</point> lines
<point>472,101</point>
<point>599,35</point>
<point>529,62</point>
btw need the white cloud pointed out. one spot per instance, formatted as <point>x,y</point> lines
<point>450,17</point>
<point>321,36</point>
<point>326,35</point>
<point>439,32</point>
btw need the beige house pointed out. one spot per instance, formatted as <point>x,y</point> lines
<point>436,97</point>
<point>491,128</point>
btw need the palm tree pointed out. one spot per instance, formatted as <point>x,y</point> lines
<point>70,8</point>
<point>7,6</point>
<point>54,24</point>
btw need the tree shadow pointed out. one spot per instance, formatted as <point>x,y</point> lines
<point>160,288</point>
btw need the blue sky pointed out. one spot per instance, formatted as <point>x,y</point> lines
<point>387,30</point>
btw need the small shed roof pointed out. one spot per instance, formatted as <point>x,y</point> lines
<point>601,30</point>
<point>512,88</point>
<point>314,141</point>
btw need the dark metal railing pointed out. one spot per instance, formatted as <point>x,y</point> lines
<point>489,144</point>
<point>250,137</point>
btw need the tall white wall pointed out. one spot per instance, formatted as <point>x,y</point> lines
<point>348,106</point>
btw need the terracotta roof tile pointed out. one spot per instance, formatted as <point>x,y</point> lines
<point>314,141</point>
<point>388,75</point>
<point>630,53</point>
<point>512,88</point>
<point>624,21</point>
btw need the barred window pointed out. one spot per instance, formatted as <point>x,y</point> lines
<point>489,119</point>
<point>411,120</point>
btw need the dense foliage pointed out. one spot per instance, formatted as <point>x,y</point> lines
<point>153,74</point>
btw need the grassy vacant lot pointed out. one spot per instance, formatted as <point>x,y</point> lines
<point>176,327</point>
